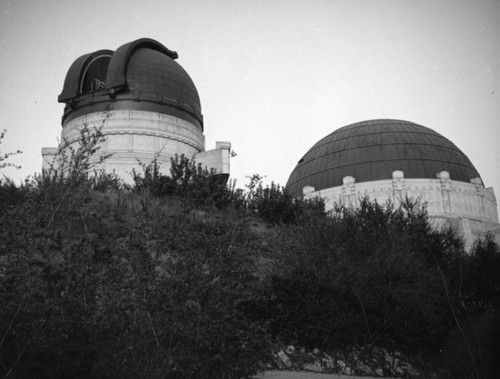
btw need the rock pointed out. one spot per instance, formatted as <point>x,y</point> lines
<point>313,367</point>
<point>399,371</point>
<point>328,362</point>
<point>290,350</point>
<point>379,372</point>
<point>389,359</point>
<point>348,371</point>
<point>316,351</point>
<point>408,369</point>
<point>364,369</point>
<point>341,364</point>
<point>412,372</point>
<point>404,365</point>
<point>284,360</point>
<point>302,350</point>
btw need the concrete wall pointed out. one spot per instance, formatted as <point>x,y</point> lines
<point>470,208</point>
<point>138,136</point>
<point>218,158</point>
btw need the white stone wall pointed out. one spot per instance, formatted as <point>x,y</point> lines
<point>140,136</point>
<point>218,158</point>
<point>469,207</point>
<point>49,158</point>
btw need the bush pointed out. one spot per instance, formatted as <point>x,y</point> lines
<point>188,180</point>
<point>200,187</point>
<point>5,156</point>
<point>371,274</point>
<point>90,289</point>
<point>275,206</point>
<point>482,273</point>
<point>91,286</point>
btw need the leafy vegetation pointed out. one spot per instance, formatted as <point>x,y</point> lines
<point>186,277</point>
<point>188,180</point>
<point>5,156</point>
<point>375,274</point>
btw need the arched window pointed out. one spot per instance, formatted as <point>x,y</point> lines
<point>94,76</point>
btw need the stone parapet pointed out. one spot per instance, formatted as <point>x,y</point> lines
<point>471,203</point>
<point>217,159</point>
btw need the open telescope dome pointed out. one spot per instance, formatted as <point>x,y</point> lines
<point>145,105</point>
<point>140,75</point>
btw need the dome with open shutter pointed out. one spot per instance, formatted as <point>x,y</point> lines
<point>140,75</point>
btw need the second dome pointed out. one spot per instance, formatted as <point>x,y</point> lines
<point>373,150</point>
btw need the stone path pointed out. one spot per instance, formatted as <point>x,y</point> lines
<point>306,375</point>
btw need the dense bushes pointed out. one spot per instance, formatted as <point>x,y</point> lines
<point>126,284</point>
<point>200,187</point>
<point>90,289</point>
<point>274,205</point>
<point>188,180</point>
<point>483,273</point>
<point>92,285</point>
<point>371,274</point>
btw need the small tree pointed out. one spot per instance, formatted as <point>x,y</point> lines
<point>188,180</point>
<point>74,165</point>
<point>5,156</point>
<point>275,205</point>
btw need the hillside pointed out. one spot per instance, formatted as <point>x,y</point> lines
<point>185,277</point>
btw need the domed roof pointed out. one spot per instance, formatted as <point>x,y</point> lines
<point>140,75</point>
<point>372,150</point>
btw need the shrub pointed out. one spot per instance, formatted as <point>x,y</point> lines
<point>11,194</point>
<point>5,156</point>
<point>87,288</point>
<point>188,180</point>
<point>275,206</point>
<point>482,272</point>
<point>371,274</point>
<point>91,288</point>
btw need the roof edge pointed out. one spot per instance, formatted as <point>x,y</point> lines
<point>116,79</point>
<point>74,75</point>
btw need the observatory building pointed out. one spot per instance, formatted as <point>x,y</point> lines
<point>147,104</point>
<point>394,159</point>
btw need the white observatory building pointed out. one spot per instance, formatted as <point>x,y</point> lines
<point>147,103</point>
<point>394,159</point>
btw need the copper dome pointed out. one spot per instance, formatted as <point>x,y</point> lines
<point>372,150</point>
<point>140,75</point>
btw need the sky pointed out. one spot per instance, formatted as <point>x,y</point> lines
<point>273,76</point>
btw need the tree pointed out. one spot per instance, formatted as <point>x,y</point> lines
<point>370,274</point>
<point>5,156</point>
<point>483,269</point>
<point>188,180</point>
